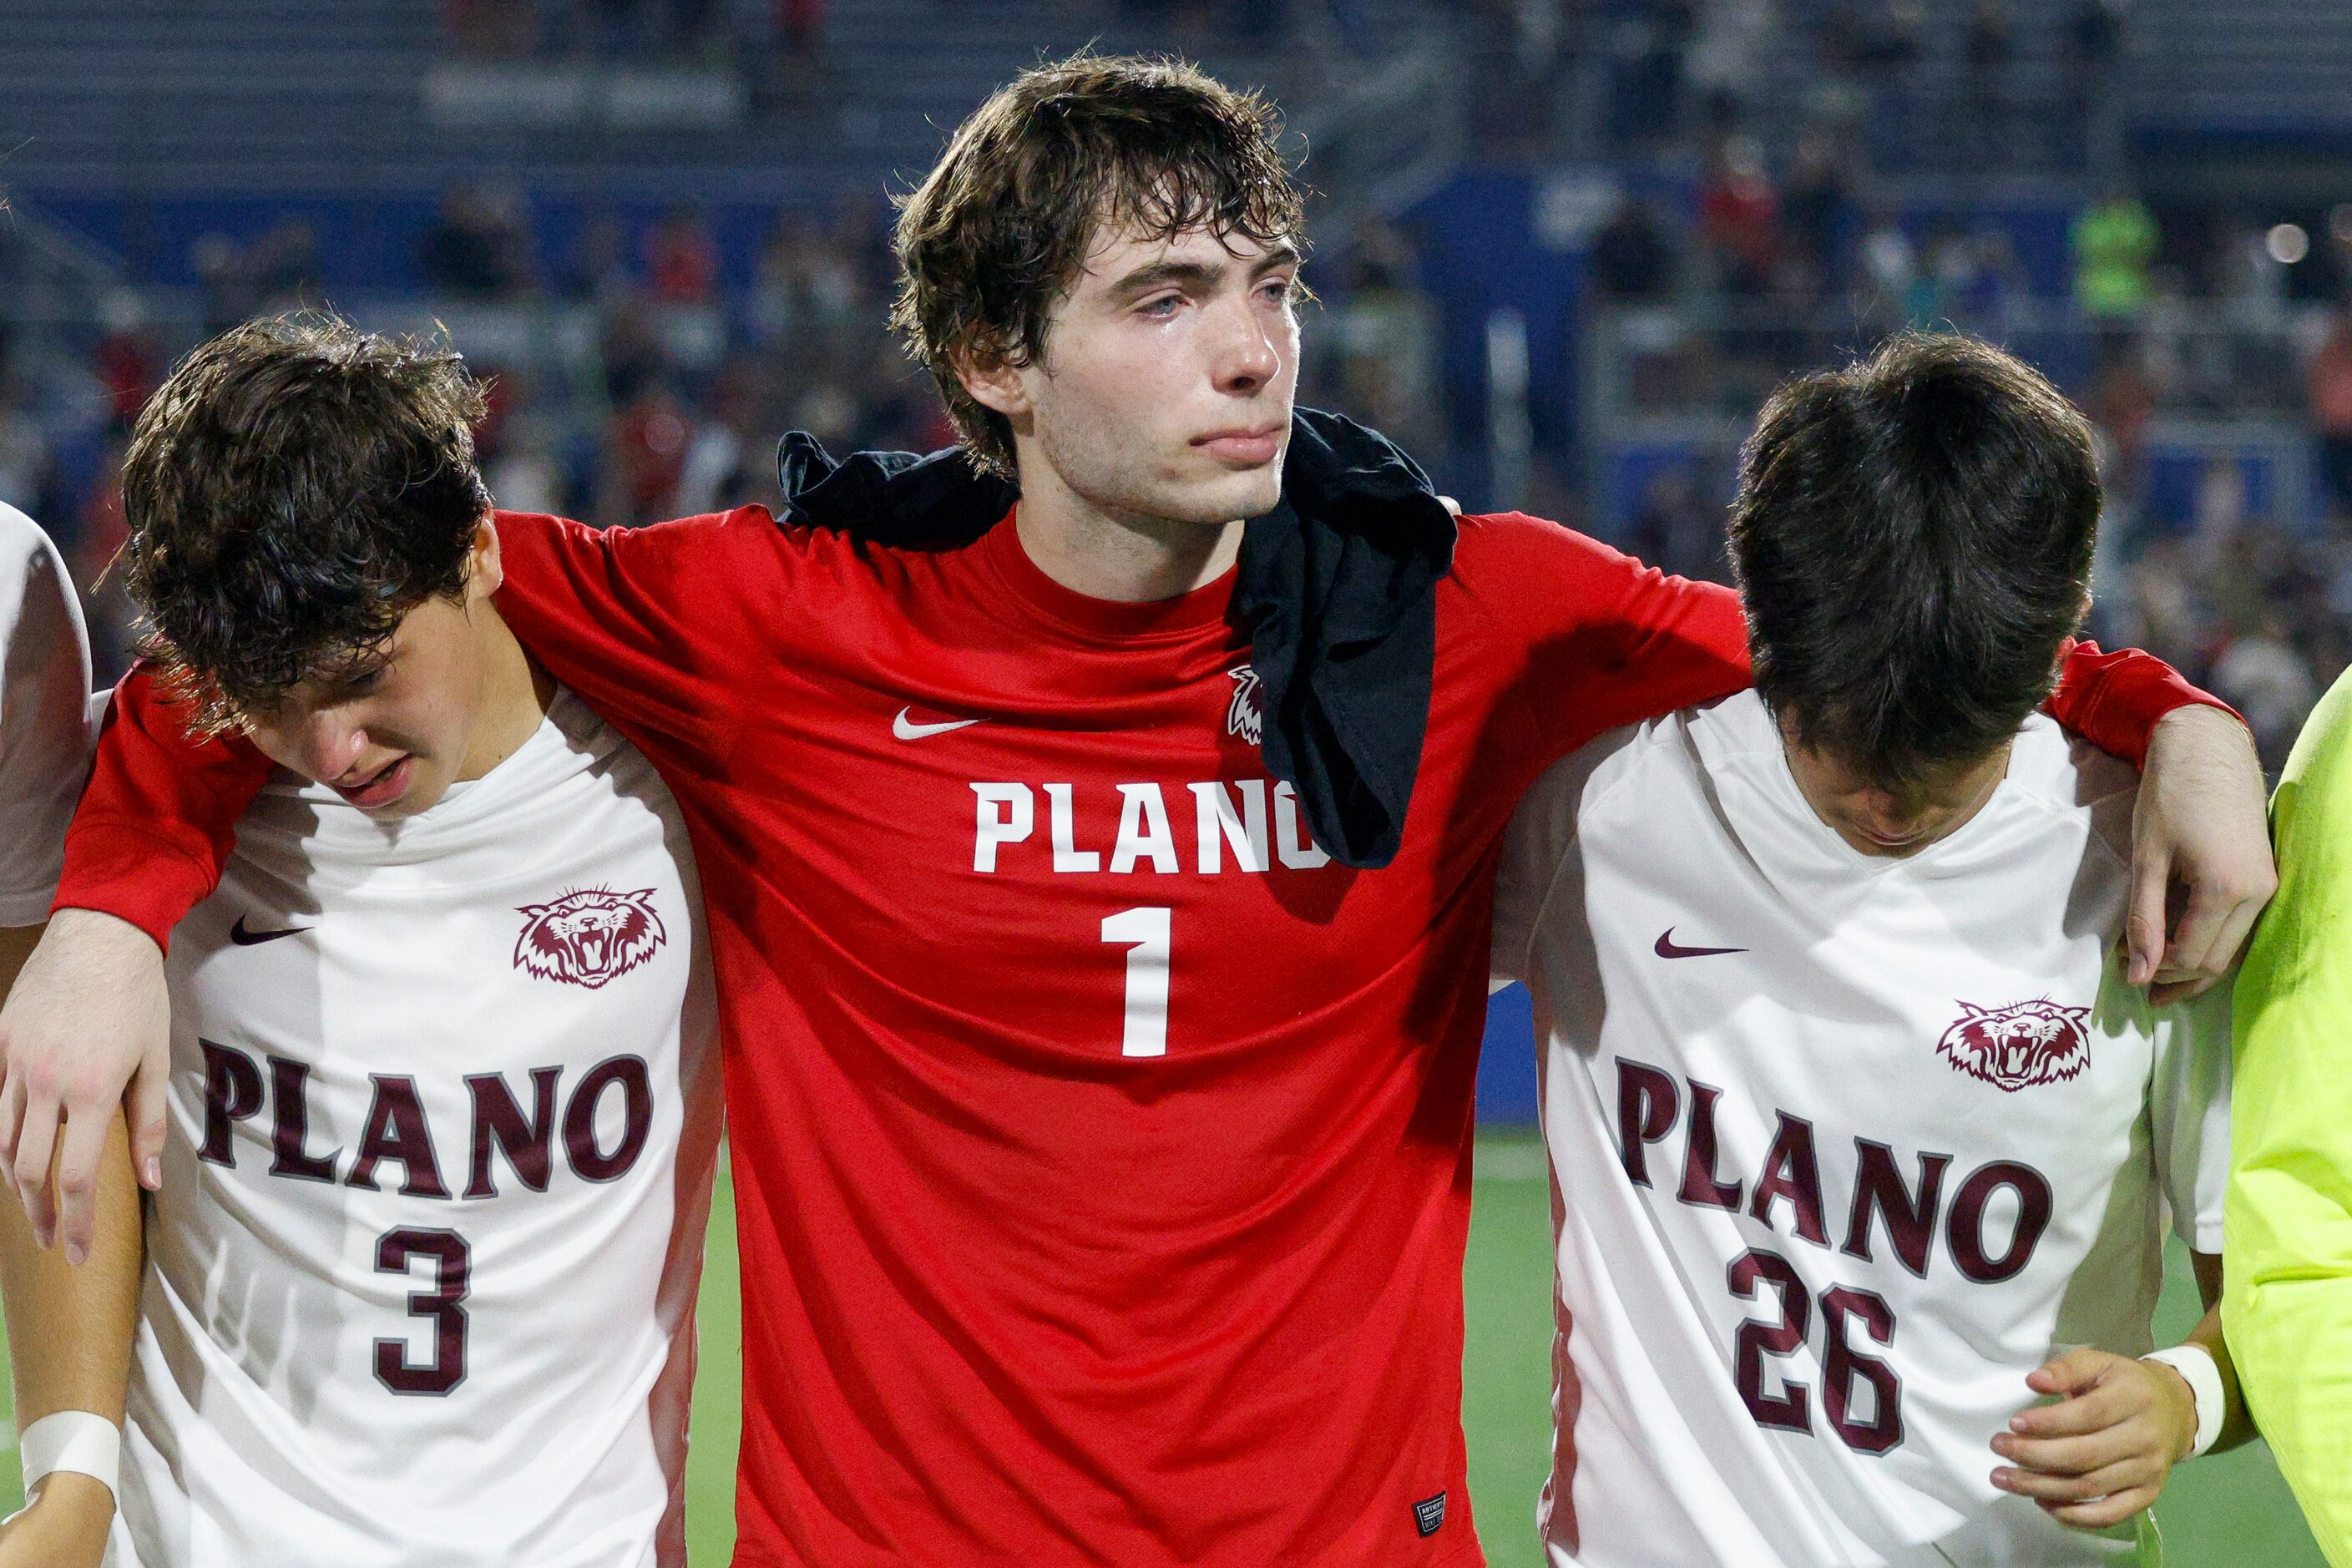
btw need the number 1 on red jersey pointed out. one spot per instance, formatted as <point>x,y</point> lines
<point>1145,934</point>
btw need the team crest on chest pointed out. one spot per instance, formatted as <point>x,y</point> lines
<point>589,937</point>
<point>1241,714</point>
<point>2021,1045</point>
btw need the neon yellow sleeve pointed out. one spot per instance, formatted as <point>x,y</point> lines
<point>2287,1306</point>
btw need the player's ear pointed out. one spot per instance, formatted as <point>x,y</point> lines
<point>484,572</point>
<point>994,384</point>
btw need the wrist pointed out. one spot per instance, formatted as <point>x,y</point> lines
<point>2193,1389</point>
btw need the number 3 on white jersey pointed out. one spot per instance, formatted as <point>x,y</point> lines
<point>1144,933</point>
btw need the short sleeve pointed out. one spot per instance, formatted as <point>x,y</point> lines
<point>45,730</point>
<point>2188,1104</point>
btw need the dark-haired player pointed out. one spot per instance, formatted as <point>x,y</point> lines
<point>1100,1138</point>
<point>1865,1140</point>
<point>443,1093</point>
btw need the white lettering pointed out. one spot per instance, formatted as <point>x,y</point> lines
<point>1143,830</point>
<point>1220,825</point>
<point>1006,813</point>
<point>1067,856</point>
<point>1298,851</point>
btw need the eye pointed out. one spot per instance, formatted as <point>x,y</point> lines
<point>1161,308</point>
<point>364,681</point>
<point>1278,289</point>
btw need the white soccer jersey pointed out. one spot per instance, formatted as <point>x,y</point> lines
<point>445,1110</point>
<point>44,723</point>
<point>1844,1146</point>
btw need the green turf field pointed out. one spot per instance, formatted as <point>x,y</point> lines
<point>2228,1512</point>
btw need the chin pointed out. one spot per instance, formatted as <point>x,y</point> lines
<point>1221,499</point>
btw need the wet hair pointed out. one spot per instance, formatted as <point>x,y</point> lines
<point>1000,229</point>
<point>293,490</point>
<point>1913,537</point>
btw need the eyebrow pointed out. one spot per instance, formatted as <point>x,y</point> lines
<point>1159,274</point>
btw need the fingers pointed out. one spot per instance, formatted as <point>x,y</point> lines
<point>2092,1453</point>
<point>2092,1412</point>
<point>79,1152</point>
<point>2111,1509</point>
<point>2165,993</point>
<point>12,1117</point>
<point>2076,1370</point>
<point>147,1108</point>
<point>31,1168</point>
<point>2151,880</point>
<point>2104,1482</point>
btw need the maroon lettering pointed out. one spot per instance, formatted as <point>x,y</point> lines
<point>232,1094</point>
<point>1787,1409</point>
<point>1879,1189</point>
<point>1792,1172</point>
<point>1964,1231</point>
<point>1647,1104</point>
<point>1843,1367</point>
<point>1700,1184</point>
<point>499,1121</point>
<point>396,1130</point>
<point>289,1103</point>
<point>589,1162</point>
<point>444,1305</point>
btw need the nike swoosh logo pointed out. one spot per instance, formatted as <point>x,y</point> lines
<point>906,729</point>
<point>246,936</point>
<point>1667,949</point>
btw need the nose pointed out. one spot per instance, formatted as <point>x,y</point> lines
<point>1248,353</point>
<point>331,743</point>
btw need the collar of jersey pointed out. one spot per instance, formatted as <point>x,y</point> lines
<point>1757,756</point>
<point>1097,620</point>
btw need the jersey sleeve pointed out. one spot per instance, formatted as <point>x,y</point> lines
<point>2287,1300</point>
<point>1542,834</point>
<point>159,819</point>
<point>660,630</point>
<point>44,723</point>
<point>2114,701</point>
<point>2188,1110</point>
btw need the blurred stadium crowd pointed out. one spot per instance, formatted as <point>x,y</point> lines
<point>1741,181</point>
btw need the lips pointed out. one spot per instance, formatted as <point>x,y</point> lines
<point>1247,448</point>
<point>386,785</point>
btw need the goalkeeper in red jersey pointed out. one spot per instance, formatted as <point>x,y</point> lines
<point>1099,896</point>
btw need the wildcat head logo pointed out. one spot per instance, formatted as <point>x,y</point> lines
<point>587,938</point>
<point>2022,1044</point>
<point>1242,716</point>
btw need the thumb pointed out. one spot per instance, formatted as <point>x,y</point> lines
<point>145,1107</point>
<point>2144,928</point>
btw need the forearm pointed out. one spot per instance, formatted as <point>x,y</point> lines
<point>69,1329</point>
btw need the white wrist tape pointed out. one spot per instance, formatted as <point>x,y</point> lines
<point>2195,1363</point>
<point>73,1440</point>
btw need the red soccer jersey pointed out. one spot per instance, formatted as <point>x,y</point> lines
<point>1101,1147</point>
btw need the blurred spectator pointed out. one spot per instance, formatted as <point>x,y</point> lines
<point>1676,531</point>
<point>223,287</point>
<point>800,24</point>
<point>1632,258</point>
<point>644,458</point>
<point>598,265</point>
<point>1988,48</point>
<point>2330,384</point>
<point>128,359</point>
<point>682,259</point>
<point>1726,62</point>
<point>477,247</point>
<point>1816,209</point>
<point>1645,77</point>
<point>2113,241</point>
<point>1738,215</point>
<point>2271,684</point>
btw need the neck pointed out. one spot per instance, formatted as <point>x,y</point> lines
<point>515,693</point>
<point>1108,553</point>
